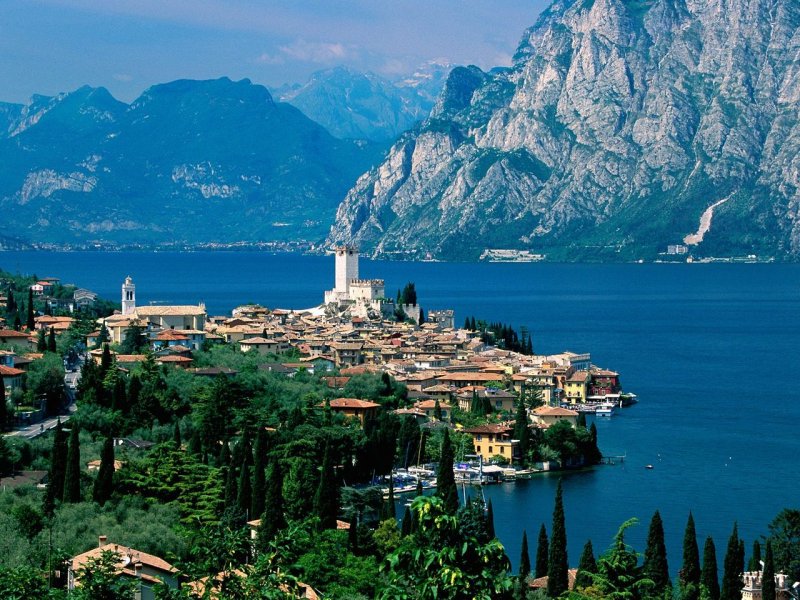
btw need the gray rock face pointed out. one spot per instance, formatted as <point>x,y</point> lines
<point>618,125</point>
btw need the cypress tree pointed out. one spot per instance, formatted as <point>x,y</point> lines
<point>244,491</point>
<point>524,560</point>
<point>3,406</point>
<point>768,575</point>
<point>259,481</point>
<point>557,564</point>
<point>740,558</point>
<point>405,527</point>
<point>655,555</point>
<point>58,467</point>
<point>542,553</point>
<point>51,341</point>
<point>104,484</point>
<point>582,420</point>
<point>41,341</point>
<point>490,521</point>
<point>690,571</point>
<point>755,559</point>
<point>31,323</point>
<point>272,520</point>
<point>709,578</point>
<point>352,536</point>
<point>230,485</point>
<point>730,568</point>
<point>224,455</point>
<point>176,435</point>
<point>326,500</point>
<point>72,476</point>
<point>195,448</point>
<point>445,479</point>
<point>105,361</point>
<point>437,410</point>
<point>119,398</point>
<point>586,566</point>
<point>521,431</point>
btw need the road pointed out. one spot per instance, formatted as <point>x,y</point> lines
<point>32,431</point>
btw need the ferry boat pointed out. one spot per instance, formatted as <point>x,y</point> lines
<point>606,409</point>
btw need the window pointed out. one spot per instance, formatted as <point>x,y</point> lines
<point>490,449</point>
<point>502,450</point>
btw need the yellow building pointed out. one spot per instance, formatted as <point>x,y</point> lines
<point>545,416</point>
<point>493,440</point>
<point>576,388</point>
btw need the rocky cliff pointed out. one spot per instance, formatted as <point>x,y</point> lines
<point>623,126</point>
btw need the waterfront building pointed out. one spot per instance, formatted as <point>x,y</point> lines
<point>576,388</point>
<point>494,440</point>
<point>545,416</point>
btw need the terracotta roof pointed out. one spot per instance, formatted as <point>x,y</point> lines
<point>170,334</point>
<point>554,411</point>
<point>173,358</point>
<point>10,333</point>
<point>471,377</point>
<point>351,403</point>
<point>127,556</point>
<point>10,371</point>
<point>130,358</point>
<point>170,311</point>
<point>541,582</point>
<point>431,404</point>
<point>489,429</point>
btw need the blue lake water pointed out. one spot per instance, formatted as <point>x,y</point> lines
<point>711,350</point>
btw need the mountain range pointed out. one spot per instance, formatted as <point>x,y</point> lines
<point>622,127</point>
<point>352,104</point>
<point>187,161</point>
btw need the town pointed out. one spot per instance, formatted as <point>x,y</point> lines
<point>292,438</point>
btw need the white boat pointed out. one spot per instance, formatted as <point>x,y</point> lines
<point>606,409</point>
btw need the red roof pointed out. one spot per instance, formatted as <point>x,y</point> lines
<point>10,371</point>
<point>352,403</point>
<point>10,333</point>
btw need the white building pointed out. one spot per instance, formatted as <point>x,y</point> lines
<point>348,288</point>
<point>128,296</point>
<point>753,586</point>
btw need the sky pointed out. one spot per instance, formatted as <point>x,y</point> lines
<point>52,46</point>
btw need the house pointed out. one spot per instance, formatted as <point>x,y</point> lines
<point>428,407</point>
<point>576,387</point>
<point>347,354</point>
<point>147,569</point>
<point>419,415</point>
<point>464,379</point>
<point>545,416</point>
<point>499,400</point>
<point>12,377</point>
<point>263,345</point>
<point>84,298</point>
<point>175,360</point>
<point>363,410</point>
<point>753,586</point>
<point>9,337</point>
<point>494,440</point>
<point>604,382</point>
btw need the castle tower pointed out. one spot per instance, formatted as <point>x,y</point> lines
<point>346,269</point>
<point>128,296</point>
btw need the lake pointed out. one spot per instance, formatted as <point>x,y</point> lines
<point>711,350</point>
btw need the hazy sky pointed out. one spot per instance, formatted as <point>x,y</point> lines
<point>49,46</point>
